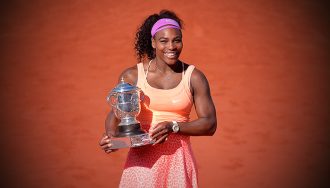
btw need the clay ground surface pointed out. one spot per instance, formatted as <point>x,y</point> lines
<point>267,63</point>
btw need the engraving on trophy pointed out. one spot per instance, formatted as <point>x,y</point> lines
<point>125,101</point>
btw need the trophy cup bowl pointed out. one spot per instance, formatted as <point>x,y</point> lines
<point>125,101</point>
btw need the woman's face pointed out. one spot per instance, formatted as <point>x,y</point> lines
<point>168,45</point>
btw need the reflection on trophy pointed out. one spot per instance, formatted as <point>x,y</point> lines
<point>125,101</point>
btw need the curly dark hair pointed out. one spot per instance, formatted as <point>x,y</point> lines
<point>143,47</point>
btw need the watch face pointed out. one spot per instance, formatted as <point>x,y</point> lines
<point>175,128</point>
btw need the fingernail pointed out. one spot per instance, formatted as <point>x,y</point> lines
<point>109,145</point>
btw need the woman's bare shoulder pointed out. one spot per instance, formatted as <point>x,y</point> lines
<point>198,75</point>
<point>198,79</point>
<point>129,75</point>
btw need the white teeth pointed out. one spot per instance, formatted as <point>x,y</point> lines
<point>170,54</point>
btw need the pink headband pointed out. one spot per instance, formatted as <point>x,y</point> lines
<point>163,24</point>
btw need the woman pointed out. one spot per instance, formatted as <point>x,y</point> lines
<point>171,88</point>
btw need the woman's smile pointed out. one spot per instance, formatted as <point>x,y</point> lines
<point>171,55</point>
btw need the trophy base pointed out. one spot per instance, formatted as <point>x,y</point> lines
<point>131,141</point>
<point>129,130</point>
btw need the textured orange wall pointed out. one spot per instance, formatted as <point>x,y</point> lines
<point>267,63</point>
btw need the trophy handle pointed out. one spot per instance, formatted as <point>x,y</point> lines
<point>111,98</point>
<point>141,96</point>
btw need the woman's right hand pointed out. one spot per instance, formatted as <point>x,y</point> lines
<point>106,145</point>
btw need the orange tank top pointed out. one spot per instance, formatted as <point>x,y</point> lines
<point>161,105</point>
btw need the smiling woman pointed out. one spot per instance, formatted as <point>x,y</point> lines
<point>171,87</point>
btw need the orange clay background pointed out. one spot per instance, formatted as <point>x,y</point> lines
<point>267,63</point>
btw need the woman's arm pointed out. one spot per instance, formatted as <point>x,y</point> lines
<point>206,124</point>
<point>111,121</point>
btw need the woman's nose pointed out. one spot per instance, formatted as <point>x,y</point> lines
<point>171,45</point>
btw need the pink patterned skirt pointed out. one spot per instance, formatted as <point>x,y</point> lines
<point>170,164</point>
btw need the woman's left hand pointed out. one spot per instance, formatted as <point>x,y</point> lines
<point>160,132</point>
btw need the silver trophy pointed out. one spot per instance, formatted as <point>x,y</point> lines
<point>125,101</point>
